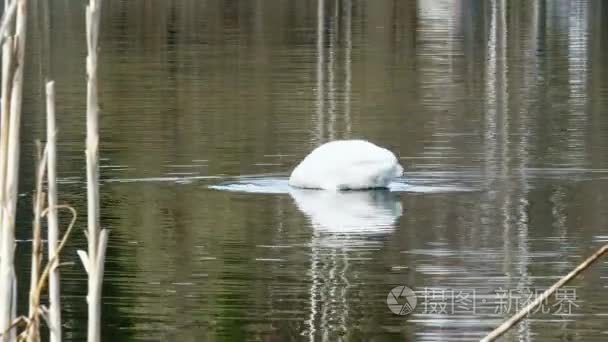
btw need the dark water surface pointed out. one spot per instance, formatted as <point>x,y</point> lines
<point>497,110</point>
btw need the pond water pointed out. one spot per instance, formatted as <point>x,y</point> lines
<point>496,109</point>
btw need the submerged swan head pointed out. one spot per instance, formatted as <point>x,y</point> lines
<point>346,165</point>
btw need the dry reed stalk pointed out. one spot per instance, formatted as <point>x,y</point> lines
<point>496,333</point>
<point>7,69</point>
<point>7,19</point>
<point>35,295</point>
<point>54,320</point>
<point>33,330</point>
<point>93,261</point>
<point>8,281</point>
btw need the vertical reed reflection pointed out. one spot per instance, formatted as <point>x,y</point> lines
<point>320,55</point>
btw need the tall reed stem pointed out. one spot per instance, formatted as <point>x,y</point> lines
<point>33,329</point>
<point>53,225</point>
<point>97,238</point>
<point>8,200</point>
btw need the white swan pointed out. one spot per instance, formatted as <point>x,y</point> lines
<point>346,165</point>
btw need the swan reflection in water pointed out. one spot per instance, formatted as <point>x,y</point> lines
<point>347,227</point>
<point>357,213</point>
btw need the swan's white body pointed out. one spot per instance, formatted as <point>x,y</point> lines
<point>346,165</point>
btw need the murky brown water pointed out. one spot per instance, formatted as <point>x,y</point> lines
<point>496,109</point>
